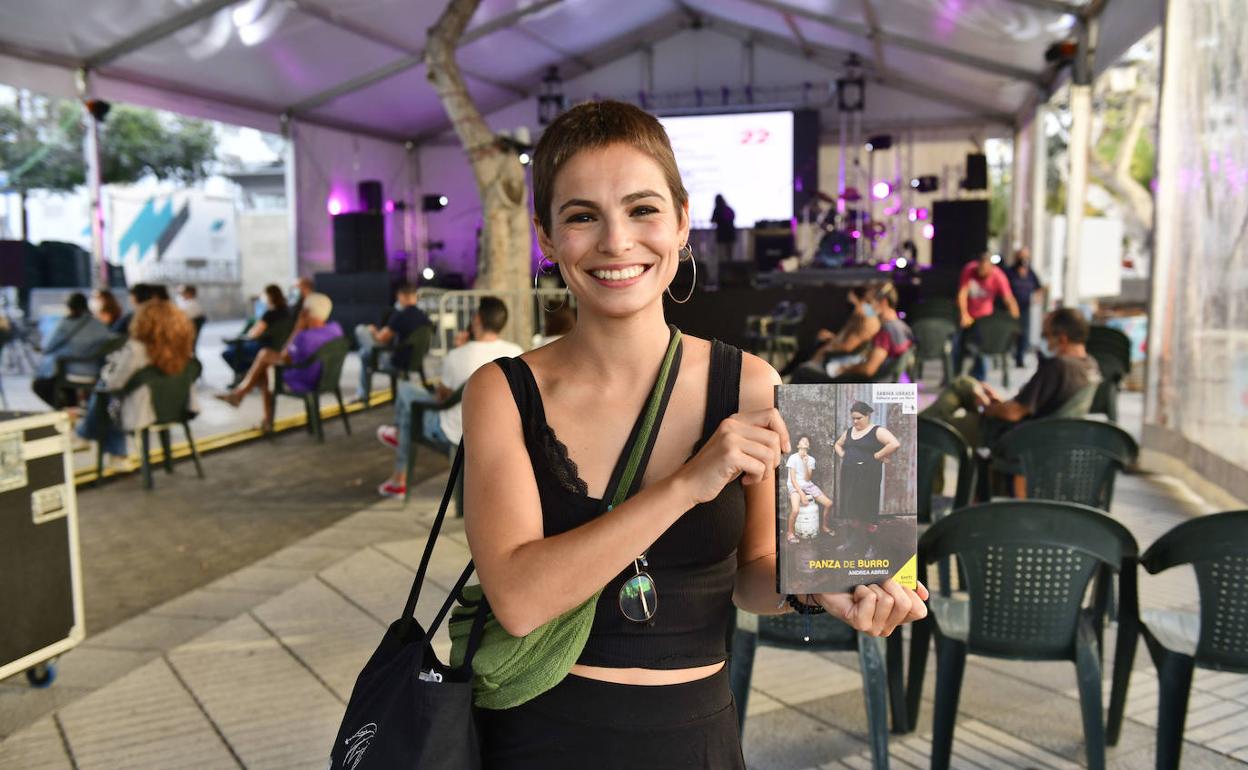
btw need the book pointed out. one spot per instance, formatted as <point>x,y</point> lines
<point>847,494</point>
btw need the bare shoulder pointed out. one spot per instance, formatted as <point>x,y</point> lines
<point>487,394</point>
<point>758,383</point>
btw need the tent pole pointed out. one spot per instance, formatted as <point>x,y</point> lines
<point>91,153</point>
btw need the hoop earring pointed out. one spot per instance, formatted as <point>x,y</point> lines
<point>694,262</point>
<point>544,267</point>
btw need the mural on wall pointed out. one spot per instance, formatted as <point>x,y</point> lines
<point>1200,387</point>
<point>181,237</point>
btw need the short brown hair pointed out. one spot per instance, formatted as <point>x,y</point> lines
<point>593,125</point>
<point>1070,322</point>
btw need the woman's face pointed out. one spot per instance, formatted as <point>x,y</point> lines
<point>616,233</point>
<point>860,420</point>
<point>803,445</point>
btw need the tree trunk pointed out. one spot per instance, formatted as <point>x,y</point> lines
<point>506,235</point>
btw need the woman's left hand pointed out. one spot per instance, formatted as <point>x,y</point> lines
<point>877,609</point>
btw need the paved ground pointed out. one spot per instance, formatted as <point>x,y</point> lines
<point>253,669</point>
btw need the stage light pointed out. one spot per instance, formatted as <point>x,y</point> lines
<point>525,159</point>
<point>901,263</point>
<point>427,273</point>
<point>925,183</point>
<point>334,205</point>
<point>879,142</point>
<point>923,214</point>
<point>913,215</point>
<point>929,232</point>
<point>388,207</point>
<point>996,259</point>
<point>881,190</point>
<point>434,202</point>
<point>855,234</point>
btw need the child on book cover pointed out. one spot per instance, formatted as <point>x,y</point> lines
<point>802,491</point>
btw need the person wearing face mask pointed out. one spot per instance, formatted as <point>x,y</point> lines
<point>1024,283</point>
<point>892,340</point>
<point>834,352</point>
<point>980,413</point>
<point>405,319</point>
<point>274,322</point>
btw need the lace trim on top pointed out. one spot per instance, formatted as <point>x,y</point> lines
<point>561,465</point>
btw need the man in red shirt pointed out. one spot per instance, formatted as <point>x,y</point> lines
<point>979,286</point>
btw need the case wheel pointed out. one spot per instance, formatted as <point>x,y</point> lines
<point>42,675</point>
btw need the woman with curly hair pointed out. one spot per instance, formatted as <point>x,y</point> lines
<point>161,336</point>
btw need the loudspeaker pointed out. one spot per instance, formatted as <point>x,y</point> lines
<point>976,172</point>
<point>736,275</point>
<point>370,195</point>
<point>770,246</point>
<point>359,243</point>
<point>961,232</point>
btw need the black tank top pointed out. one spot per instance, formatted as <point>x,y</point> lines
<point>693,563</point>
<point>858,450</point>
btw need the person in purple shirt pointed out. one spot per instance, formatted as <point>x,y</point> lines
<point>315,330</point>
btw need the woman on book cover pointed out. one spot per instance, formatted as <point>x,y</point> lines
<point>863,449</point>
<point>801,468</point>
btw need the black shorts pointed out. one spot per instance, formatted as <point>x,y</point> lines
<point>586,723</point>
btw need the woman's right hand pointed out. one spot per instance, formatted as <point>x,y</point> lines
<point>747,444</point>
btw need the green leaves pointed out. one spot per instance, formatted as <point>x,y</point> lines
<point>41,145</point>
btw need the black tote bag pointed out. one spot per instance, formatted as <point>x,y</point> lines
<point>408,709</point>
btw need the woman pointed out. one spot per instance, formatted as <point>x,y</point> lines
<point>864,449</point>
<point>801,469</point>
<point>105,306</point>
<point>834,352</point>
<point>261,335</point>
<point>160,335</point>
<point>315,329</point>
<point>542,434</point>
<point>76,337</point>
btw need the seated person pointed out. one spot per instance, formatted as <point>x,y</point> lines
<point>139,293</point>
<point>315,330</point>
<point>445,427</point>
<point>557,323</point>
<point>105,307</point>
<point>160,335</point>
<point>836,352</point>
<point>188,301</point>
<point>892,340</point>
<point>241,352</point>
<point>406,319</point>
<point>980,413</point>
<point>78,335</point>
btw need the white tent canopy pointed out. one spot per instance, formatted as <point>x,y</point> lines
<point>358,65</point>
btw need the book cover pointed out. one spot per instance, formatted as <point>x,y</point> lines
<point>847,494</point>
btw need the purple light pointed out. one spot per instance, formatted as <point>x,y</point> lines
<point>334,205</point>
<point>881,190</point>
<point>913,215</point>
<point>855,234</point>
<point>922,214</point>
<point>389,207</point>
<point>884,267</point>
<point>929,232</point>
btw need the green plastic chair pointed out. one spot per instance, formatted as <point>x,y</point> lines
<point>1071,460</point>
<point>1112,351</point>
<point>938,441</point>
<point>416,345</point>
<point>1217,637</point>
<point>933,338</point>
<point>331,357</point>
<point>882,682</point>
<point>997,335</point>
<point>171,398</point>
<point>935,307</point>
<point>418,437</point>
<point>1027,566</point>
